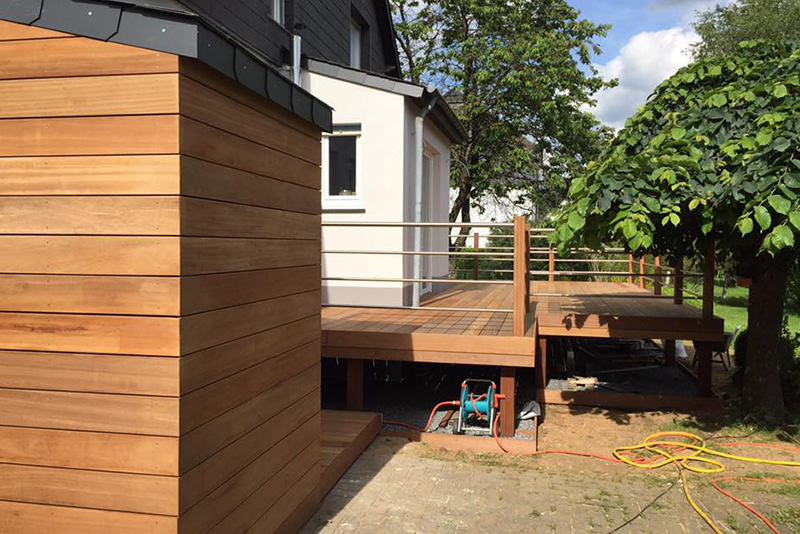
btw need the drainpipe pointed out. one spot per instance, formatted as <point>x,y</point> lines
<point>296,58</point>
<point>419,131</point>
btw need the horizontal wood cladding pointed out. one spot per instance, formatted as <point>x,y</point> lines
<point>119,492</point>
<point>208,180</point>
<point>90,373</point>
<point>200,481</point>
<point>89,96</point>
<point>245,484</point>
<point>210,292</point>
<point>210,107</point>
<point>122,453</point>
<point>60,58</point>
<point>89,255</point>
<point>90,175</point>
<point>207,143</point>
<point>207,403</point>
<point>205,441</point>
<point>204,367</point>
<point>26,518</point>
<point>103,334</point>
<point>213,328</point>
<point>125,414</point>
<point>207,255</point>
<point>207,218</point>
<point>89,136</point>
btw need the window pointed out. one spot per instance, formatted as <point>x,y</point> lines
<point>341,168</point>
<point>355,44</point>
<point>277,11</point>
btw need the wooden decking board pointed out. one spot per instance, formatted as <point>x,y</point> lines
<point>576,309</point>
<point>345,435</point>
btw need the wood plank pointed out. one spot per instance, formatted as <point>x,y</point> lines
<point>210,107</point>
<point>204,179</point>
<point>53,58</point>
<point>154,416</point>
<point>11,31</point>
<point>203,442</point>
<point>23,518</point>
<point>90,175</point>
<point>427,356</point>
<point>89,136</point>
<point>89,96</point>
<point>207,255</point>
<point>103,334</point>
<point>91,215</point>
<point>209,475</point>
<point>203,405</point>
<point>130,295</point>
<point>242,488</point>
<point>158,256</point>
<point>212,328</point>
<point>208,218</point>
<point>211,292</point>
<point>368,428</point>
<point>202,368</point>
<point>428,342</point>
<point>90,373</point>
<point>118,492</point>
<point>204,142</point>
<point>628,401</point>
<point>94,451</point>
<point>213,79</point>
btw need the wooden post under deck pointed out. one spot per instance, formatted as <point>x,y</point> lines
<point>520,273</point>
<point>704,350</point>
<point>355,385</point>
<point>541,363</point>
<point>657,277</point>
<point>669,353</point>
<point>508,410</point>
<point>630,268</point>
<point>476,260</point>
<point>642,271</point>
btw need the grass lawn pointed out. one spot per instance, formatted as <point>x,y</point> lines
<point>733,307</point>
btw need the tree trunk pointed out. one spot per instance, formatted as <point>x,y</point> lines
<point>762,376</point>
<point>461,207</point>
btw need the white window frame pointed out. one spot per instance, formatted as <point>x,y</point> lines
<point>278,8</point>
<point>355,44</point>
<point>342,202</point>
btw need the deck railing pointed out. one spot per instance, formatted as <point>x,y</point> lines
<point>527,246</point>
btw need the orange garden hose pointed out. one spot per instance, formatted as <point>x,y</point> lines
<point>430,419</point>
<point>717,481</point>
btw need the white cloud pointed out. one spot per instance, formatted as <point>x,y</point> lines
<point>645,61</point>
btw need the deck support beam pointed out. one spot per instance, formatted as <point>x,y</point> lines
<point>541,363</point>
<point>355,385</point>
<point>704,368</point>
<point>508,388</point>
<point>669,353</point>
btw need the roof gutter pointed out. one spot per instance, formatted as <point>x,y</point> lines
<point>419,133</point>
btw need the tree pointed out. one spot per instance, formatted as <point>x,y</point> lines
<point>722,28</point>
<point>713,157</point>
<point>518,74</point>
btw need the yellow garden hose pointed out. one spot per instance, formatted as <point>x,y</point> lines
<point>664,452</point>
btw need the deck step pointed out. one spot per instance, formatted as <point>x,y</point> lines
<point>345,435</point>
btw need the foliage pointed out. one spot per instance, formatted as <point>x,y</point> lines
<point>715,153</point>
<point>789,349</point>
<point>722,28</point>
<point>517,74</point>
<point>793,289</point>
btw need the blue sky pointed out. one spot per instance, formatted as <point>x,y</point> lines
<point>648,42</point>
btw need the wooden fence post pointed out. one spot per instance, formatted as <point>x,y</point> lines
<point>657,277</point>
<point>642,271</point>
<point>630,268</point>
<point>678,280</point>
<point>476,259</point>
<point>520,273</point>
<point>552,265</point>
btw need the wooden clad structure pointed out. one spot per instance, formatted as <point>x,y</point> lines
<point>159,295</point>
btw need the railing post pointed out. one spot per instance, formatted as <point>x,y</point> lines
<point>630,268</point>
<point>476,260</point>
<point>519,275</point>
<point>657,277</point>
<point>552,270</point>
<point>527,267</point>
<point>678,280</point>
<point>642,272</point>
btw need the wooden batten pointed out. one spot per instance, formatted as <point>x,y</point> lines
<point>159,295</point>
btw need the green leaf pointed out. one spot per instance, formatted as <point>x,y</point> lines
<point>764,137</point>
<point>779,204</point>
<point>694,203</point>
<point>781,144</point>
<point>780,91</point>
<point>792,180</point>
<point>675,219</point>
<point>718,100</point>
<point>763,218</point>
<point>629,228</point>
<point>745,226</point>
<point>715,70</point>
<point>575,220</point>
<point>678,133</point>
<point>794,218</point>
<point>782,236</point>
